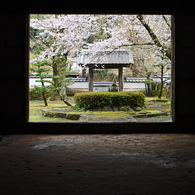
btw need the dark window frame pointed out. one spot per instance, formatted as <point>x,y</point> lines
<point>101,127</point>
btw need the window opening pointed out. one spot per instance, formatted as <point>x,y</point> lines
<point>102,68</point>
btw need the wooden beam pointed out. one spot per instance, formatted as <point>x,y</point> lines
<point>120,73</point>
<point>90,79</point>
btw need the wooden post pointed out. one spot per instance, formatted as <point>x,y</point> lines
<point>173,67</point>
<point>120,73</point>
<point>90,79</point>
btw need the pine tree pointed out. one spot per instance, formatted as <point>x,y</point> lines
<point>43,74</point>
<point>60,79</point>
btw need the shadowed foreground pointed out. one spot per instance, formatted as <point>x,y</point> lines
<point>97,164</point>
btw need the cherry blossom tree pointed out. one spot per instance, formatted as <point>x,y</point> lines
<point>59,36</point>
<point>162,41</point>
<point>63,35</point>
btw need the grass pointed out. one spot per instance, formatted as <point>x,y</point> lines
<point>36,107</point>
<point>108,114</point>
<point>149,99</point>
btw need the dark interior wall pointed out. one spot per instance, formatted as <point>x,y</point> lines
<point>185,69</point>
<point>12,77</point>
<point>14,82</point>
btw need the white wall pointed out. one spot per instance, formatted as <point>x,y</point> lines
<point>134,86</point>
<point>80,86</point>
<point>32,82</point>
<point>83,86</point>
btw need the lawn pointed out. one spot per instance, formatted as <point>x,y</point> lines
<point>36,107</point>
<point>35,110</point>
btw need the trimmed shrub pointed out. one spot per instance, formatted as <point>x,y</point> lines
<point>92,100</point>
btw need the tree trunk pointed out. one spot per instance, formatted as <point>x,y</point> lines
<point>148,84</point>
<point>55,73</point>
<point>43,94</point>
<point>154,37</point>
<point>44,98</point>
<point>162,82</point>
<point>63,99</point>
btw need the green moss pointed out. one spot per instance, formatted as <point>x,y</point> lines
<point>73,116</point>
<point>154,111</point>
<point>35,111</point>
<point>124,108</point>
<point>107,114</point>
<point>107,108</point>
<point>36,107</point>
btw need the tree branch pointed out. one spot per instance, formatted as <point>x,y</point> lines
<point>167,22</point>
<point>132,44</point>
<point>164,49</point>
<point>38,42</point>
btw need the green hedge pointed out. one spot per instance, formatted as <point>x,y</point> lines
<point>91,100</point>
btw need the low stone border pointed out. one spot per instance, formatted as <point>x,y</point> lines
<point>47,113</point>
<point>147,114</point>
<point>69,116</point>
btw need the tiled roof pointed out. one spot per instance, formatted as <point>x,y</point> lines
<point>105,57</point>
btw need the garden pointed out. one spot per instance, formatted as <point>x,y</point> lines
<point>59,42</point>
<point>102,107</point>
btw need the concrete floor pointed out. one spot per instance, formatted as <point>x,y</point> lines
<point>97,164</point>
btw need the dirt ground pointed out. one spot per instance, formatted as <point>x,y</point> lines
<point>97,164</point>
